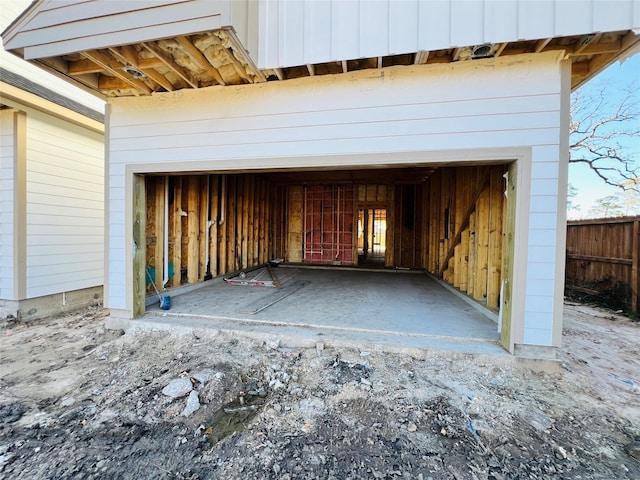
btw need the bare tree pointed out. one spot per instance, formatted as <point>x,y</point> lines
<point>604,126</point>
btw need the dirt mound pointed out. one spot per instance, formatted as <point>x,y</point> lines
<point>78,401</point>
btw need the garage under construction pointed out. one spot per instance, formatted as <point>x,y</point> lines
<point>448,221</point>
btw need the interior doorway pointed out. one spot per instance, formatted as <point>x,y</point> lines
<point>372,236</point>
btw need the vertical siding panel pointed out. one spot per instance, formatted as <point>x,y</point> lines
<point>500,20</point>
<point>374,28</point>
<point>291,39</point>
<point>536,19</point>
<point>345,30</point>
<point>571,20</point>
<point>269,42</point>
<point>403,26</point>
<point>434,24</point>
<point>467,22</point>
<point>317,32</point>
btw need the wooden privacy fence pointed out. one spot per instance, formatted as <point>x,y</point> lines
<point>603,258</point>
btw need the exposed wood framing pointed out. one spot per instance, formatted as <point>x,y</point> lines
<point>140,248</point>
<point>449,222</point>
<point>168,61</point>
<point>199,58</point>
<point>465,218</point>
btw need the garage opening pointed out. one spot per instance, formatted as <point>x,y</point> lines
<point>447,221</point>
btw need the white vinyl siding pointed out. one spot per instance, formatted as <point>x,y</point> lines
<point>353,29</point>
<point>6,205</point>
<point>348,120</point>
<point>65,199</point>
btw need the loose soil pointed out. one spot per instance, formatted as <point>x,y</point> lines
<point>78,401</point>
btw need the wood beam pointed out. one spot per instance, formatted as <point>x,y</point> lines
<point>115,68</point>
<point>279,73</point>
<point>541,44</point>
<point>421,57</point>
<point>235,63</point>
<point>111,83</point>
<point>580,69</point>
<point>597,49</point>
<point>128,56</point>
<point>153,62</point>
<point>81,67</point>
<point>199,58</point>
<point>311,69</point>
<point>345,66</point>
<point>500,49</point>
<point>168,61</point>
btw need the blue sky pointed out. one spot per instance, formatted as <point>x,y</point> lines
<point>589,186</point>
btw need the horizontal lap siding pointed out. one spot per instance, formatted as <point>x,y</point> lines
<point>309,122</point>
<point>308,31</point>
<point>65,200</point>
<point>6,205</point>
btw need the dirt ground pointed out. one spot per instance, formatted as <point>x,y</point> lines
<point>83,402</point>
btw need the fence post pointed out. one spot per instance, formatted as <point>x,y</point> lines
<point>635,268</point>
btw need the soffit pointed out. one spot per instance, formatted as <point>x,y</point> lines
<point>217,57</point>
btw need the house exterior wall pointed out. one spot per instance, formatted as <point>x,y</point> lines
<point>308,31</point>
<point>6,204</point>
<point>64,203</point>
<point>420,114</point>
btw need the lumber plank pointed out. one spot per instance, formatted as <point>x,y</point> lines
<point>193,228</point>
<point>158,191</point>
<point>139,253</point>
<point>496,200</point>
<point>177,233</point>
<point>213,233</point>
<point>223,234</point>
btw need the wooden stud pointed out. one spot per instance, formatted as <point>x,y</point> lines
<point>128,56</point>
<point>246,199</point>
<point>231,223</point>
<point>213,231</point>
<point>507,259</point>
<point>203,234</point>
<point>389,258</point>
<point>140,247</point>
<point>158,190</point>
<point>168,61</point>
<point>114,67</point>
<point>199,58</point>
<point>255,220</point>
<point>635,268</point>
<point>295,213</point>
<point>223,221</point>
<point>193,229</point>
<point>177,233</point>
<point>494,274</point>
<point>472,261</point>
<point>482,239</point>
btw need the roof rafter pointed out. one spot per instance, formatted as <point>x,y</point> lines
<point>114,68</point>
<point>181,72</point>
<point>199,58</point>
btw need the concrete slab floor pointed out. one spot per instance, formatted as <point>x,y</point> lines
<point>406,309</point>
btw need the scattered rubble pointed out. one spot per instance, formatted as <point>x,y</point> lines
<point>80,401</point>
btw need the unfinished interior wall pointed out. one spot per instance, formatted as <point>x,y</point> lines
<point>465,219</point>
<point>202,226</point>
<point>449,223</point>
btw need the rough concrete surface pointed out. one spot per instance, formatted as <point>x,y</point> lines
<point>78,401</point>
